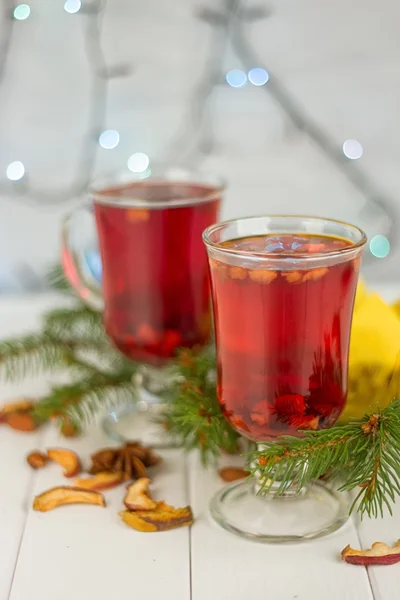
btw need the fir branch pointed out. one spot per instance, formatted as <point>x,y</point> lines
<point>366,452</point>
<point>75,324</point>
<point>194,417</point>
<point>56,279</point>
<point>83,399</point>
<point>30,356</point>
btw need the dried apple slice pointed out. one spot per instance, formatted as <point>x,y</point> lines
<point>378,554</point>
<point>19,406</point>
<point>315,274</point>
<point>101,481</point>
<point>138,496</point>
<point>59,496</point>
<point>292,276</point>
<point>68,459</point>
<point>237,273</point>
<point>157,520</point>
<point>263,276</point>
<point>232,474</point>
<point>21,421</point>
<point>37,460</point>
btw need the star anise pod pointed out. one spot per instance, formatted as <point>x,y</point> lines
<point>132,460</point>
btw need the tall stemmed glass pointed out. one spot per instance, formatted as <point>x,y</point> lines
<point>283,289</point>
<point>155,288</point>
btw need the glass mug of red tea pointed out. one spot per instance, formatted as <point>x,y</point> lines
<point>283,289</point>
<point>155,287</point>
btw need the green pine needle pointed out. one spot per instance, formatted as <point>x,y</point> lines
<point>365,453</point>
<point>194,417</point>
<point>30,356</point>
<point>84,399</point>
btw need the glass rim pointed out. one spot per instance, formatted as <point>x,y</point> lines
<point>158,174</point>
<point>354,245</point>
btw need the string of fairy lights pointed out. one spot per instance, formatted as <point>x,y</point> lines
<point>194,138</point>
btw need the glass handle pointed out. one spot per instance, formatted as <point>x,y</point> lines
<point>78,238</point>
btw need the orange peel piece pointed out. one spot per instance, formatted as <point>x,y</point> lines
<point>158,520</point>
<point>68,459</point>
<point>378,554</point>
<point>59,496</point>
<point>37,460</point>
<point>101,481</point>
<point>138,496</point>
<point>237,273</point>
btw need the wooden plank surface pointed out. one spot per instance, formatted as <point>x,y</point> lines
<point>86,552</point>
<point>17,316</point>
<point>243,569</point>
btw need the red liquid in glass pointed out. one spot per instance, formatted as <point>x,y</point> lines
<point>155,274</point>
<point>282,336</point>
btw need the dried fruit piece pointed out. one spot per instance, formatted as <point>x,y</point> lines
<point>379,554</point>
<point>69,429</point>
<point>237,273</point>
<point>21,421</point>
<point>290,405</point>
<point>232,473</point>
<point>37,460</point>
<point>315,274</point>
<point>263,276</point>
<point>220,269</point>
<point>260,413</point>
<point>101,481</point>
<point>138,496</point>
<point>68,459</point>
<point>314,248</point>
<point>138,215</point>
<point>158,520</point>
<point>306,422</point>
<point>147,335</point>
<point>59,496</point>
<point>292,276</point>
<point>238,423</point>
<point>171,341</point>
<point>19,406</point>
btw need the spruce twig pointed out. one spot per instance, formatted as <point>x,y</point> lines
<point>194,416</point>
<point>365,452</point>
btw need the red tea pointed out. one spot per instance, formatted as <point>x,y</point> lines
<point>283,335</point>
<point>155,278</point>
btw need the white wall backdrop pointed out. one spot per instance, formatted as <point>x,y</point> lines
<point>333,66</point>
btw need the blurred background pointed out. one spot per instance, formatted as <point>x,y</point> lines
<point>294,102</point>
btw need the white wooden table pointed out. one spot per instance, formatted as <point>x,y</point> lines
<point>86,552</point>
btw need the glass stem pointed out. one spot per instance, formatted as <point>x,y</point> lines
<point>273,490</point>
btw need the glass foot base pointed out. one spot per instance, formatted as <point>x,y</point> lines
<point>138,422</point>
<point>313,513</point>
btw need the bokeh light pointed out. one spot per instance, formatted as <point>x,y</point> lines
<point>379,246</point>
<point>15,170</point>
<point>258,76</point>
<point>72,6</point>
<point>22,12</point>
<point>352,149</point>
<point>109,139</point>
<point>138,162</point>
<point>236,78</point>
